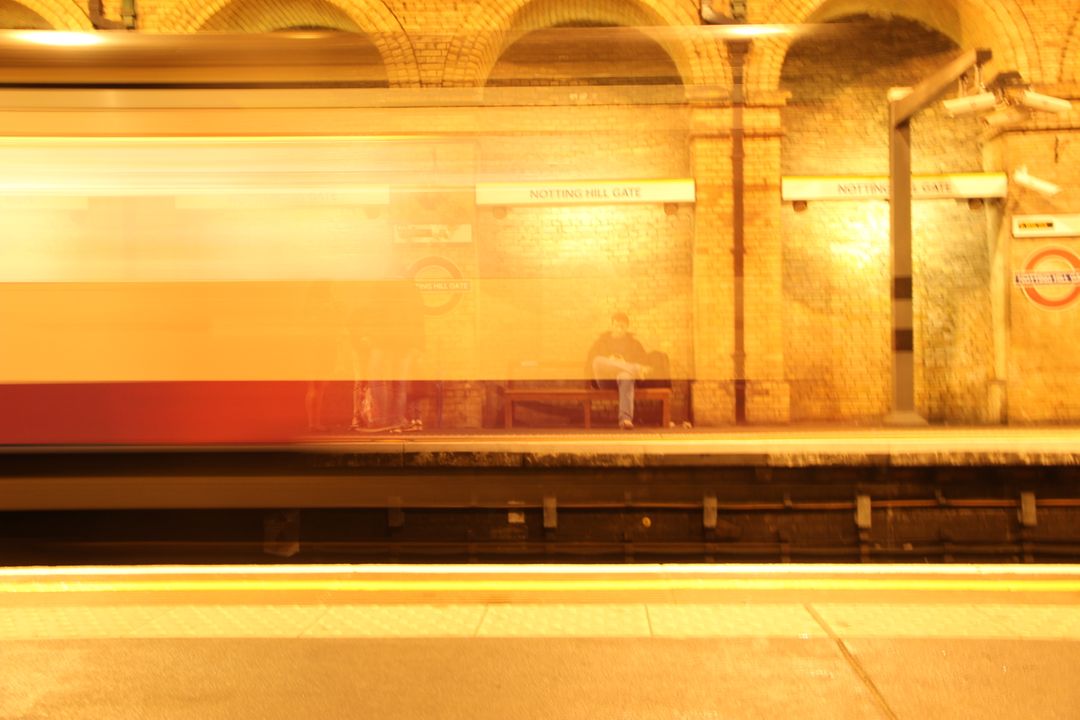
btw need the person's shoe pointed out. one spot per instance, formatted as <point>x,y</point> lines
<point>626,424</point>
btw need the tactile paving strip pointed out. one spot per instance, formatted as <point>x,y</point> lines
<point>250,621</point>
<point>983,621</point>
<point>764,620</point>
<point>870,620</point>
<point>78,621</point>
<point>565,621</point>
<point>398,621</point>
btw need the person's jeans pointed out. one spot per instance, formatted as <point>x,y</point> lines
<point>389,393</point>
<point>625,372</point>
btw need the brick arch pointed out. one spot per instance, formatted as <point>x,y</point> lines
<point>472,54</point>
<point>249,16</point>
<point>1000,25</point>
<point>370,17</point>
<point>16,16</point>
<point>941,16</point>
<point>1070,55</point>
<point>44,14</point>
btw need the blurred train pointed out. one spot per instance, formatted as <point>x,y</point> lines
<point>234,239</point>
<point>196,245</point>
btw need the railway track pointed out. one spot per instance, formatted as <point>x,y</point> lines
<point>303,505</point>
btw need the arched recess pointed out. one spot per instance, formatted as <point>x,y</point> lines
<point>942,16</point>
<point>257,16</point>
<point>1000,25</point>
<point>42,15</point>
<point>836,271</point>
<point>369,17</point>
<point>584,55</point>
<point>472,55</point>
<point>15,16</point>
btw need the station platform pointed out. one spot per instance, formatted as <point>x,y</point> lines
<point>786,446</point>
<point>598,469</point>
<point>647,641</point>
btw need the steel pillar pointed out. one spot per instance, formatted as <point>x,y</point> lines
<point>901,110</point>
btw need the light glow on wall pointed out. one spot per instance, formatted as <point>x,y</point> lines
<point>866,242</point>
<point>58,38</point>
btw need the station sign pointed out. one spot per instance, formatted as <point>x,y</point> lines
<point>440,282</point>
<point>587,192</point>
<point>1050,278</point>
<point>1045,226</point>
<point>432,234</point>
<point>196,196</point>
<point>923,187</point>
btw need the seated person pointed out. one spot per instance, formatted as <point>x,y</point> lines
<point>617,359</point>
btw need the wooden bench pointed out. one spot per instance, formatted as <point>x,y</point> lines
<point>585,396</point>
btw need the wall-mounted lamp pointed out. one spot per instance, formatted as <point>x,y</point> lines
<point>970,104</point>
<point>1008,99</point>
<point>979,100</point>
<point>1006,115</point>
<point>1023,178</point>
<point>1046,103</point>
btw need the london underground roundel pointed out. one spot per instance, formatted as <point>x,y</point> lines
<point>440,282</point>
<point>1050,278</point>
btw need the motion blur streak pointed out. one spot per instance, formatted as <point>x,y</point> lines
<point>389,579</point>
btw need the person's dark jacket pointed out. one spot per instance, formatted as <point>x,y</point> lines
<point>626,347</point>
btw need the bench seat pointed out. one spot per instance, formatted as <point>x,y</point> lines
<point>585,396</point>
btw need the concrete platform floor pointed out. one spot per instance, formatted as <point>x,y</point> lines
<point>694,642</point>
<point>798,439</point>
<point>787,446</point>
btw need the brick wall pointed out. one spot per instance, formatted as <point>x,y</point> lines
<point>550,277</point>
<point>836,254</point>
<point>713,270</point>
<point>817,318</point>
<point>1040,349</point>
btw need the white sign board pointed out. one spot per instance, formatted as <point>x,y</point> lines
<point>923,187</point>
<point>240,196</point>
<point>432,234</point>
<point>588,192</point>
<point>1046,226</point>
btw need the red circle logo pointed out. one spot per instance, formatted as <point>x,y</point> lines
<point>1051,278</point>
<point>440,283</point>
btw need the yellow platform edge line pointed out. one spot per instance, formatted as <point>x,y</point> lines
<point>540,586</point>
<point>550,571</point>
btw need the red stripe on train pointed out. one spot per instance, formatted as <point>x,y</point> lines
<point>169,412</point>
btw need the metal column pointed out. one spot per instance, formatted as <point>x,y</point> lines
<point>901,110</point>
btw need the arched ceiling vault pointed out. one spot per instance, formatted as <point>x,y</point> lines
<point>370,17</point>
<point>44,15</point>
<point>473,54</point>
<point>1000,25</point>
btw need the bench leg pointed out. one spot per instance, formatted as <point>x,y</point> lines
<point>508,413</point>
<point>588,413</point>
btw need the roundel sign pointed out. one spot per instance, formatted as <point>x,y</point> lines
<point>440,283</point>
<point>1051,278</point>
